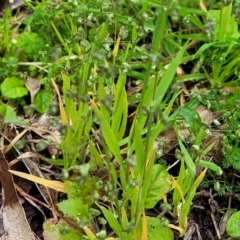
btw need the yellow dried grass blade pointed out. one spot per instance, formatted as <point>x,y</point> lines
<point>116,47</point>
<point>181,231</point>
<point>61,107</point>
<point>89,233</point>
<point>59,186</point>
<point>8,148</point>
<point>176,185</point>
<point>144,227</point>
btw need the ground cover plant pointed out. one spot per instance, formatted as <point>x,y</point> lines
<point>120,119</point>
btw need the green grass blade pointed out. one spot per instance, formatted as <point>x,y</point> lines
<point>120,109</point>
<point>114,224</point>
<point>108,134</point>
<point>168,77</point>
<point>188,159</point>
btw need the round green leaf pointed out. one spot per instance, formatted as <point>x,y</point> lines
<point>156,231</point>
<point>43,100</point>
<point>12,88</point>
<point>233,225</point>
<point>160,184</point>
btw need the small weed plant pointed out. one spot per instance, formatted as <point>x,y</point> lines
<point>112,67</point>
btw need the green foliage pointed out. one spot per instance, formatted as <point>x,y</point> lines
<point>221,54</point>
<point>9,115</point>
<point>159,186</point>
<point>233,225</point>
<point>43,100</point>
<point>13,87</point>
<point>60,231</point>
<point>90,52</point>
<point>230,140</point>
<point>8,67</point>
<point>74,208</point>
<point>32,46</point>
<point>226,26</point>
<point>157,230</point>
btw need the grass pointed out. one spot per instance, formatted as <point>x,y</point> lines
<point>116,77</point>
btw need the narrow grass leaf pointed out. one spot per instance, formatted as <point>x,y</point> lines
<point>189,198</point>
<point>107,133</point>
<point>60,37</point>
<point>178,193</point>
<point>102,94</point>
<point>116,46</point>
<point>212,166</point>
<point>178,187</point>
<point>103,31</point>
<point>95,154</point>
<point>198,180</point>
<point>188,159</point>
<point>112,221</point>
<point>139,149</point>
<point>69,102</point>
<point>166,80</point>
<point>119,118</point>
<point>146,182</point>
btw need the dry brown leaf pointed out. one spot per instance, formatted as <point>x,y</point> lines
<point>14,220</point>
<point>33,85</point>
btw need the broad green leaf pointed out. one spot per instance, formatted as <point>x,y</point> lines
<point>233,225</point>
<point>59,231</point>
<point>160,184</point>
<point>156,231</point>
<point>73,208</point>
<point>13,88</point>
<point>43,100</point>
<point>192,118</point>
<point>9,115</point>
<point>82,191</point>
